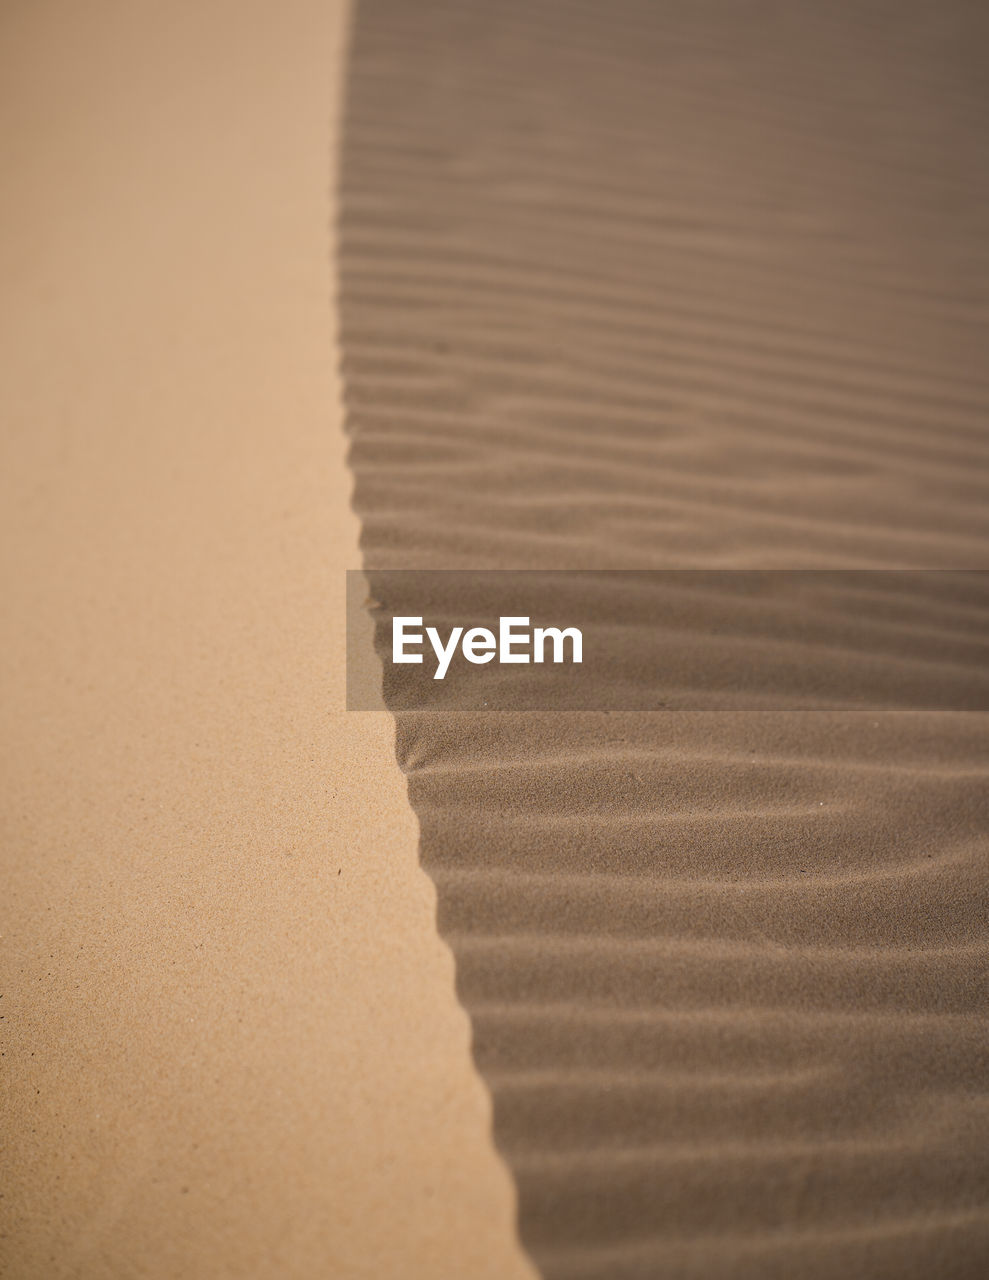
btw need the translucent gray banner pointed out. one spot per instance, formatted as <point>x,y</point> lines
<point>653,640</point>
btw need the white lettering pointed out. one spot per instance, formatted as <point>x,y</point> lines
<point>479,645</point>
<point>399,640</point>
<point>539,640</point>
<point>443,656</point>
<point>507,637</point>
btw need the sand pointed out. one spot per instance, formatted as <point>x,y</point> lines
<point>639,286</point>
<point>653,285</point>
<point>231,1043</point>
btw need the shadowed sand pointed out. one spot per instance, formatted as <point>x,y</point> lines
<point>662,285</point>
<point>231,1045</point>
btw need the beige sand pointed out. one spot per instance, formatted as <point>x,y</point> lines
<point>231,1045</point>
<point>656,284</point>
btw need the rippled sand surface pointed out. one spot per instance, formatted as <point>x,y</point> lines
<point>660,285</point>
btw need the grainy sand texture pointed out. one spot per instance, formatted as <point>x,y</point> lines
<point>293,289</point>
<point>661,285</point>
<point>231,1045</point>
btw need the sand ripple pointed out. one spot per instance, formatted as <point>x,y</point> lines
<point>654,285</point>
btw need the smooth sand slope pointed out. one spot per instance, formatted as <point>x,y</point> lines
<point>666,285</point>
<point>231,1046</point>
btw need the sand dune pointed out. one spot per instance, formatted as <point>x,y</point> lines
<point>761,344</point>
<point>230,1047</point>
<point>665,286</point>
